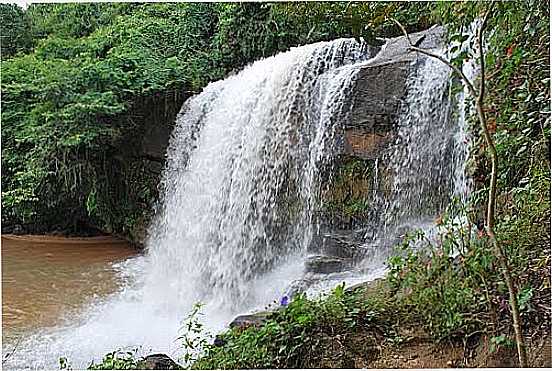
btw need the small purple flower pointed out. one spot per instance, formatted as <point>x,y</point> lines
<point>503,304</point>
<point>284,301</point>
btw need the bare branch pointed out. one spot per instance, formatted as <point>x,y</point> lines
<point>6,356</point>
<point>482,119</point>
<point>503,258</point>
<point>479,96</point>
<point>457,70</point>
<point>481,54</point>
<point>403,31</point>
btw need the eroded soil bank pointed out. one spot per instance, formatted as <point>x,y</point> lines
<point>417,350</point>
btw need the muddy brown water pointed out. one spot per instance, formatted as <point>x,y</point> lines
<point>46,278</point>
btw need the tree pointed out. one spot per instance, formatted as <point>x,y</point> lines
<point>479,96</point>
<point>14,30</point>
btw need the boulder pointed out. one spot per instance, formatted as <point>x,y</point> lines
<point>219,341</point>
<point>337,243</point>
<point>366,137</point>
<point>326,264</point>
<point>368,287</point>
<point>160,362</point>
<point>301,285</point>
<point>247,320</point>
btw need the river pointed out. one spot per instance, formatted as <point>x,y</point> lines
<point>46,280</point>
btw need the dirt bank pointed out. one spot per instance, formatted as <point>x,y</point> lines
<point>52,239</point>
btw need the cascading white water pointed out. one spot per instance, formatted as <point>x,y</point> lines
<point>239,191</point>
<point>239,195</point>
<point>426,166</point>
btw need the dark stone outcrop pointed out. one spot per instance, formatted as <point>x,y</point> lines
<point>326,264</point>
<point>370,132</point>
<point>142,154</point>
<point>339,243</point>
<point>379,89</point>
<point>367,287</point>
<point>219,341</point>
<point>160,362</point>
<point>301,285</point>
<point>248,320</point>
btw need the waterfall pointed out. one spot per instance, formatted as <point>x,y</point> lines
<point>427,160</point>
<point>240,184</point>
<point>241,190</point>
<point>425,167</point>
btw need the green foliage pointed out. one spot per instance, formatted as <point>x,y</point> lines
<point>524,298</point>
<point>457,296</point>
<point>520,95</point>
<point>517,83</point>
<point>501,340</point>
<point>323,20</point>
<point>64,364</point>
<point>347,195</point>
<point>193,336</point>
<point>70,106</point>
<point>118,360</point>
<point>74,20</point>
<point>291,337</point>
<point>14,31</point>
<point>461,295</point>
<point>445,293</point>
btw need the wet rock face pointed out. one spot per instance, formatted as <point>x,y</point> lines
<point>367,143</point>
<point>360,177</point>
<point>327,264</point>
<point>378,92</point>
<point>342,244</point>
<point>140,156</point>
<point>371,130</point>
<point>379,89</point>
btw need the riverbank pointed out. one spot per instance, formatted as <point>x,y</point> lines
<point>63,240</point>
<point>83,241</point>
<point>368,327</point>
